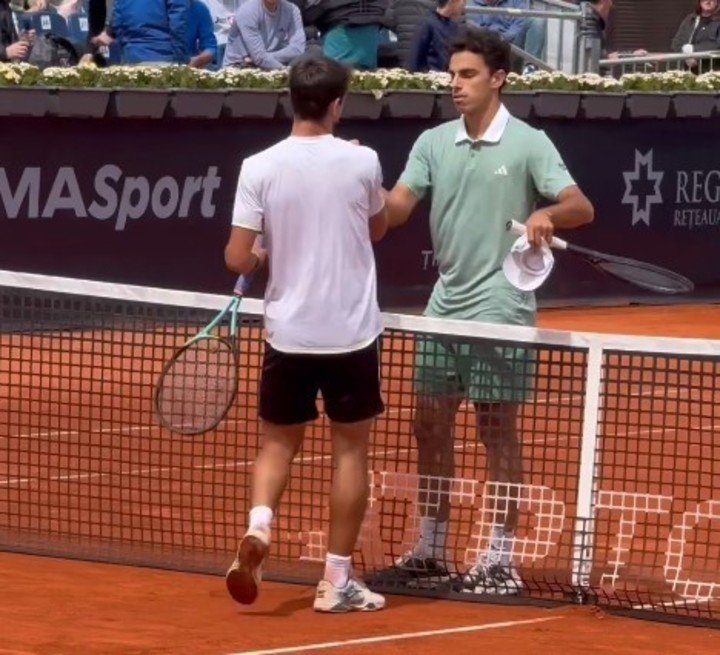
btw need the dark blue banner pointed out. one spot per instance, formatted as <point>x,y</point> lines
<point>149,202</point>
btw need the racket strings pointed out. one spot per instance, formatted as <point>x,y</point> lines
<point>198,386</point>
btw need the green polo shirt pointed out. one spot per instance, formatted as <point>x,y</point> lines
<point>476,188</point>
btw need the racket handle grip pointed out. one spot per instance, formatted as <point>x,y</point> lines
<point>519,229</point>
<point>242,285</point>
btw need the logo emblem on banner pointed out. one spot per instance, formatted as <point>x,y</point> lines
<point>642,187</point>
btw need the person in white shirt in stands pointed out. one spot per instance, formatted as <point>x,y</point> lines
<point>318,202</point>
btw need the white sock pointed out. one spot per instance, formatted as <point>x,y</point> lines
<point>433,535</point>
<point>337,570</point>
<point>261,517</point>
<point>501,545</point>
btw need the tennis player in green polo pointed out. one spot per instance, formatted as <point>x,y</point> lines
<point>481,170</point>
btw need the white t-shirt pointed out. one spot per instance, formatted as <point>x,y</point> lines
<point>311,198</point>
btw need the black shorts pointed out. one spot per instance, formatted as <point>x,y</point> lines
<point>349,383</point>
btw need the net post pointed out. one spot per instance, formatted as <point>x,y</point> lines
<point>583,538</point>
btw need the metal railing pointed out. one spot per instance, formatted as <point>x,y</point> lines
<point>565,39</point>
<point>697,62</point>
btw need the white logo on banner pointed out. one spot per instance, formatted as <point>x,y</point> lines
<point>116,197</point>
<point>642,202</point>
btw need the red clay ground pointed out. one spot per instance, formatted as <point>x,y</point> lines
<point>54,607</point>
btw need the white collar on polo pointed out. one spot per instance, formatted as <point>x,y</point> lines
<point>494,132</point>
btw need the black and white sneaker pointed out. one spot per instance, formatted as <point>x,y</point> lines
<point>413,571</point>
<point>492,578</point>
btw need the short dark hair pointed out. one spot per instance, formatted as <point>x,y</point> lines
<point>485,43</point>
<point>315,83</point>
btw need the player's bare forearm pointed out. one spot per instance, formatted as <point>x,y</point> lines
<point>243,254</point>
<point>572,209</point>
<point>400,203</point>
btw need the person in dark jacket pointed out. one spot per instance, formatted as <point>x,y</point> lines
<point>351,29</point>
<point>149,31</point>
<point>431,47</point>
<point>700,31</point>
<point>11,47</point>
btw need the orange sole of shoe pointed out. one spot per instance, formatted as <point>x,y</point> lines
<point>243,581</point>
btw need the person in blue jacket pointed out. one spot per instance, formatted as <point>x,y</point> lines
<point>509,28</point>
<point>201,39</point>
<point>150,31</point>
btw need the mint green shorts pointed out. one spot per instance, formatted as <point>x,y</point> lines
<point>482,372</point>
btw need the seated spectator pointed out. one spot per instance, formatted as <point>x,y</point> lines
<point>600,16</point>
<point>12,48</point>
<point>148,31</point>
<point>530,34</point>
<point>267,34</point>
<point>700,31</point>
<point>404,18</point>
<point>509,28</point>
<point>351,30</point>
<point>202,43</point>
<point>431,47</point>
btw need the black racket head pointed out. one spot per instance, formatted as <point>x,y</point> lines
<point>647,276</point>
<point>197,386</point>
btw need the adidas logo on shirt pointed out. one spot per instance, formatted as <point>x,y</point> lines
<point>501,171</point>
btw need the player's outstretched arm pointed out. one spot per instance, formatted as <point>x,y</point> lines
<point>400,203</point>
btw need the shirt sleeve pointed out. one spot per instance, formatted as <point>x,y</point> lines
<point>549,172</point>
<point>207,39</point>
<point>296,46</point>
<point>417,176</point>
<point>248,211</point>
<point>418,60</point>
<point>377,197</point>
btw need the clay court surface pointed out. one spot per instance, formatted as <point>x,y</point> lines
<point>52,606</point>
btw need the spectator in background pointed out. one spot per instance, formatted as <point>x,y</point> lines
<point>699,32</point>
<point>149,31</point>
<point>267,34</point>
<point>508,28</point>
<point>202,43</point>
<point>351,30</point>
<point>431,47</point>
<point>601,14</point>
<point>11,47</point>
<point>530,34</point>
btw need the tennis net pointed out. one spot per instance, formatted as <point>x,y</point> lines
<point>617,503</point>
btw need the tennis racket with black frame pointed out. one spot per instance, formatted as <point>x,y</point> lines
<point>641,274</point>
<point>199,384</point>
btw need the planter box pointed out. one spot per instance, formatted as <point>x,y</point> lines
<point>445,107</point>
<point>284,108</point>
<point>362,104</point>
<point>253,103</point>
<point>647,105</point>
<point>197,103</point>
<point>607,106</point>
<point>25,101</point>
<point>409,104</point>
<point>688,104</point>
<point>519,103</point>
<point>556,104</point>
<point>147,103</point>
<point>81,103</point>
